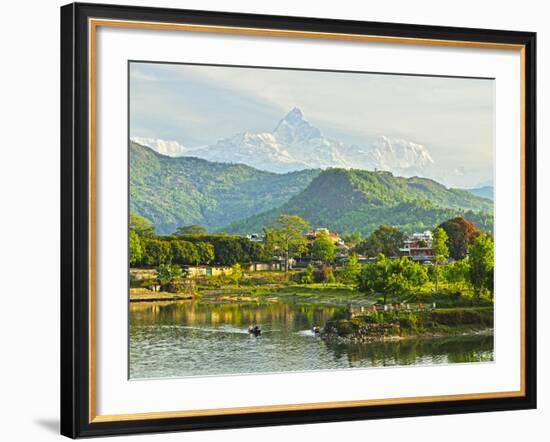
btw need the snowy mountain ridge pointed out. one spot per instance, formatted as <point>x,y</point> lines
<point>295,144</point>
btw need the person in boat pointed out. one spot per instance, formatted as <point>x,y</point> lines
<point>254,330</point>
<point>316,329</point>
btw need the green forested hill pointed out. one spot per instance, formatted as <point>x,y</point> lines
<point>172,192</point>
<point>358,200</point>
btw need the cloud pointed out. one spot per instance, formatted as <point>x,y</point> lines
<point>197,105</point>
<point>138,75</point>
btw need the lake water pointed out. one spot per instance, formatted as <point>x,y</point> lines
<point>198,339</point>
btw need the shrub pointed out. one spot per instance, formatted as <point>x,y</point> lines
<point>408,321</point>
<point>306,277</point>
<point>324,274</point>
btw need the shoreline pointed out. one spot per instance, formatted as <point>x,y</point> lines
<point>398,325</point>
<point>144,295</point>
<point>334,338</point>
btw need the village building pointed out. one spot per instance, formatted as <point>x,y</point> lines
<point>338,242</point>
<point>255,237</point>
<point>213,270</point>
<point>418,247</point>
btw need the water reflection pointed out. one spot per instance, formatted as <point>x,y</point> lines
<point>193,339</point>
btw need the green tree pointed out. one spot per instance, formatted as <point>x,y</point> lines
<point>461,234</point>
<point>351,269</point>
<point>458,272</point>
<point>167,274</point>
<point>269,242</point>
<point>481,260</point>
<point>323,248</point>
<point>352,239</point>
<point>193,229</point>
<point>307,276</point>
<point>236,273</point>
<point>439,243</point>
<point>385,240</point>
<point>324,274</point>
<point>134,246</point>
<point>156,252</point>
<point>391,278</point>
<point>256,251</point>
<point>142,226</point>
<point>288,236</point>
<point>205,252</point>
<point>184,252</point>
<point>441,251</point>
<point>227,249</point>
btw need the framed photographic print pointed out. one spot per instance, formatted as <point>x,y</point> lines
<point>278,220</point>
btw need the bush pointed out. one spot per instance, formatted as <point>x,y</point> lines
<point>167,275</point>
<point>463,316</point>
<point>324,274</point>
<point>408,321</point>
<point>306,277</point>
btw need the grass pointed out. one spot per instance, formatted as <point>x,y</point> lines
<point>270,285</point>
<point>314,293</point>
<point>378,325</point>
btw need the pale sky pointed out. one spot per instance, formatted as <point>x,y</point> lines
<point>198,105</point>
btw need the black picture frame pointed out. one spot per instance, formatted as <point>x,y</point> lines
<point>75,221</point>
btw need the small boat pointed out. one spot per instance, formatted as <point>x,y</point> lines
<point>254,330</point>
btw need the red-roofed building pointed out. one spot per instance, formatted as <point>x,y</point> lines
<point>418,247</point>
<point>332,235</point>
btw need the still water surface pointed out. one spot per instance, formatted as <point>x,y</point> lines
<point>197,339</point>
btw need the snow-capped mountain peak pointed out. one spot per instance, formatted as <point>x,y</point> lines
<point>294,129</point>
<point>397,153</point>
<point>296,144</point>
<point>170,148</point>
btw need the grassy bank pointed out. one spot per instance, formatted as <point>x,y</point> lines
<point>144,295</point>
<point>274,286</point>
<point>335,294</point>
<point>377,326</point>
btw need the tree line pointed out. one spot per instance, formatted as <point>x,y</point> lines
<point>190,245</point>
<point>471,254</point>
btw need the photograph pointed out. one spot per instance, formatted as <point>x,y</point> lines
<point>292,220</point>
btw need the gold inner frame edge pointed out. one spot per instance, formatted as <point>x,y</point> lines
<point>93,24</point>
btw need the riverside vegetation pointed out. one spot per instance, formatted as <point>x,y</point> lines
<point>386,298</point>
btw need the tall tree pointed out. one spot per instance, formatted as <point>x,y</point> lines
<point>156,252</point>
<point>352,239</point>
<point>236,273</point>
<point>205,252</point>
<point>461,233</point>
<point>351,269</point>
<point>142,226</point>
<point>288,235</point>
<point>482,264</point>
<point>441,251</point>
<point>184,252</point>
<point>167,274</point>
<point>135,249</point>
<point>385,240</point>
<point>323,248</point>
<point>391,277</point>
<point>458,272</point>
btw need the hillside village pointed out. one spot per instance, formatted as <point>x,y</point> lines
<point>290,252</point>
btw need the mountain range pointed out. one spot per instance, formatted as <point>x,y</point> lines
<point>483,192</point>
<point>173,192</point>
<point>359,201</point>
<point>236,198</point>
<point>295,144</point>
